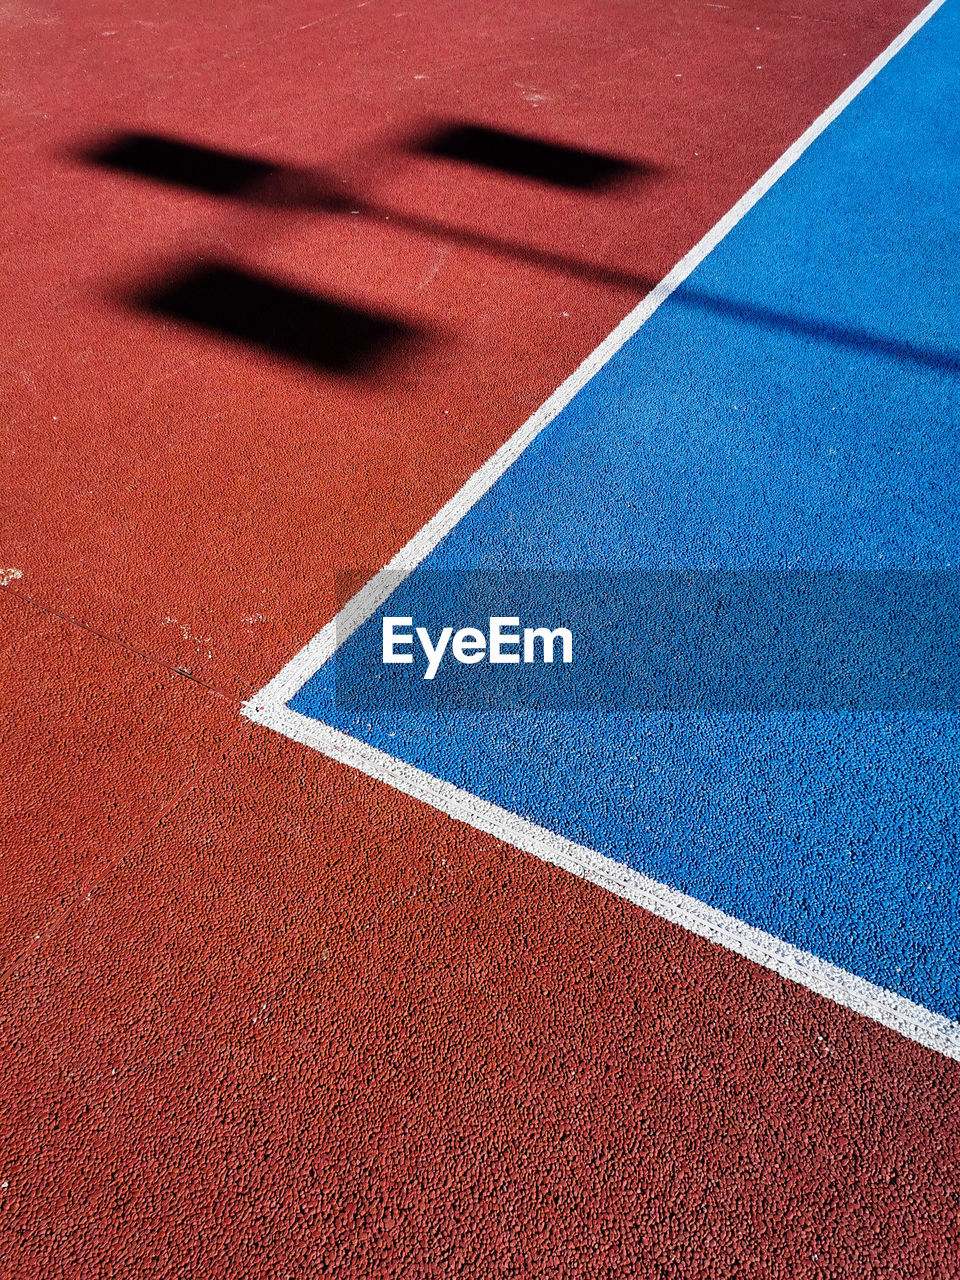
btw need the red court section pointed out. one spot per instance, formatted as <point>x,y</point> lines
<point>312,1028</point>
<point>97,743</point>
<point>198,499</point>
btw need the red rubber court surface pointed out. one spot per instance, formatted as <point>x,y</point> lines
<point>301,1031</point>
<point>264,1017</point>
<point>162,481</point>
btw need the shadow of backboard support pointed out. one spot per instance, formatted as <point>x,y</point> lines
<point>183,164</point>
<point>525,157</point>
<point>325,334</point>
<point>336,338</point>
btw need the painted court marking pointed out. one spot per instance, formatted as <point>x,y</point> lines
<point>268,707</point>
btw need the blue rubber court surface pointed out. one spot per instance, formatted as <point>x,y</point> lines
<point>791,408</point>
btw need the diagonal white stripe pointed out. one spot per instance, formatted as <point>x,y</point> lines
<point>371,596</point>
<point>886,1007</point>
<point>268,706</point>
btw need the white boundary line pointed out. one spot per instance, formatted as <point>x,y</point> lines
<point>911,1020</point>
<point>268,706</point>
<point>371,596</point>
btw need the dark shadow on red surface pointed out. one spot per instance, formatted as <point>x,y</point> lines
<point>526,157</point>
<point>214,171</point>
<point>182,164</point>
<point>324,333</point>
<point>335,338</point>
